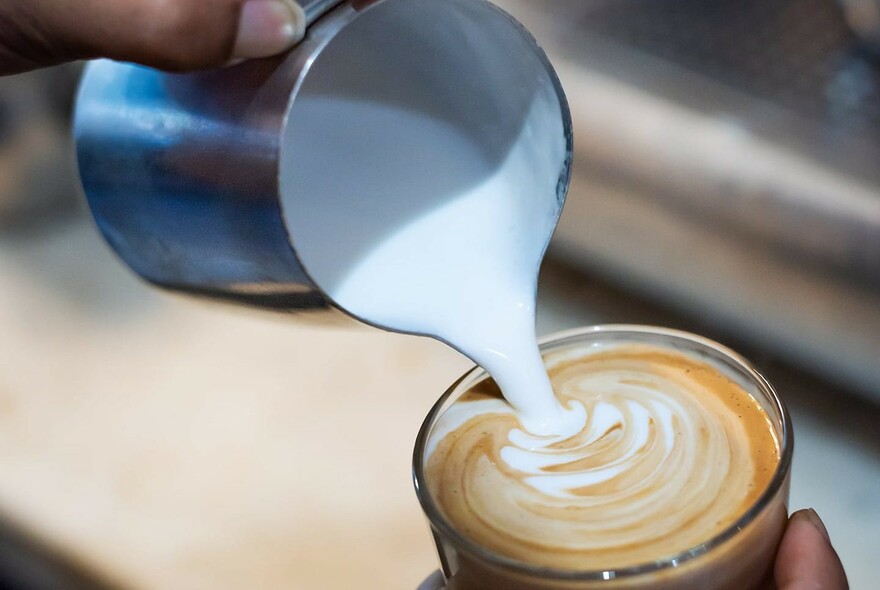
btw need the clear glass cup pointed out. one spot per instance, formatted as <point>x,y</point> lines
<point>738,558</point>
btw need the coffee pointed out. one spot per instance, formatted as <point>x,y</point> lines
<point>673,452</point>
<point>676,477</point>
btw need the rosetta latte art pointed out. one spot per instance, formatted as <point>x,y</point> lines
<point>669,453</point>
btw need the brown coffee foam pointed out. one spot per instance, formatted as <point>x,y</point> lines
<point>670,500</point>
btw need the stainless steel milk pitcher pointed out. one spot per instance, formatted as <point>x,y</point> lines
<point>197,180</point>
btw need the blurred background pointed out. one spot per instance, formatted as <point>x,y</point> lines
<point>727,182</point>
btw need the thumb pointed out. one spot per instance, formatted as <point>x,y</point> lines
<point>806,559</point>
<point>169,34</point>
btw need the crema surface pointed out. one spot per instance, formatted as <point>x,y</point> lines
<point>669,452</point>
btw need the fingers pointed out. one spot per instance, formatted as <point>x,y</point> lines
<point>169,34</point>
<point>806,559</point>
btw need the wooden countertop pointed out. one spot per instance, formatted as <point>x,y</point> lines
<point>165,444</point>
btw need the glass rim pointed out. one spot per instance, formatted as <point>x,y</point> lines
<point>786,450</point>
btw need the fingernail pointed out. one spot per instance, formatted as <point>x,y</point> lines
<point>268,27</point>
<point>814,519</point>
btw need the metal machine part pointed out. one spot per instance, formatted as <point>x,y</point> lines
<point>727,165</point>
<point>188,176</point>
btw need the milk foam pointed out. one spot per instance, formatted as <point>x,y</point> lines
<point>465,271</point>
<point>638,410</point>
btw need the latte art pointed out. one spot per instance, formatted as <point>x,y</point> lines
<point>668,453</point>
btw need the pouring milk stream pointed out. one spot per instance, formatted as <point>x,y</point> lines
<point>466,271</point>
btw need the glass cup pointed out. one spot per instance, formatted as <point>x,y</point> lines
<point>738,558</point>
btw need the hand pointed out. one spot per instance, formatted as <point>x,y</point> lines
<point>806,559</point>
<point>175,35</point>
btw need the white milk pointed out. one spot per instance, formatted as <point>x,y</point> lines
<point>463,270</point>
